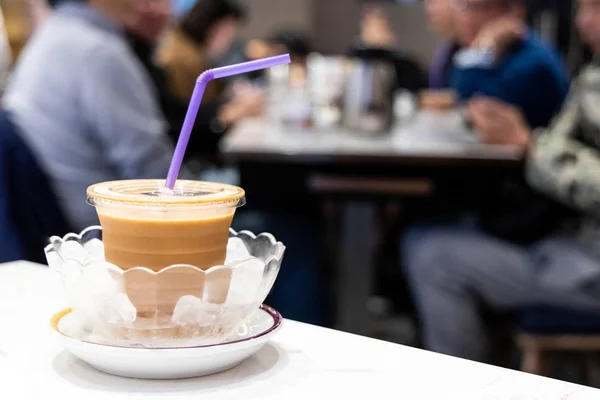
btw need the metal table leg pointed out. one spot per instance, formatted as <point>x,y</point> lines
<point>354,270</point>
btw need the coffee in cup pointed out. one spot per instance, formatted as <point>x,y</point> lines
<point>147,226</point>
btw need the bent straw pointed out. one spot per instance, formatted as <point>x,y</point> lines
<point>192,112</point>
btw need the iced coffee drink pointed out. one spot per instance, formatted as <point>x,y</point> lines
<point>145,225</point>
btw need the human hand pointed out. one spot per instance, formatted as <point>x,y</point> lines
<point>498,122</point>
<point>500,35</point>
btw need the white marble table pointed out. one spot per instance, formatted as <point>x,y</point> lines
<point>428,137</point>
<point>303,362</point>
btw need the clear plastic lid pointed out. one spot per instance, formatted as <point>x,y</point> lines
<point>151,192</point>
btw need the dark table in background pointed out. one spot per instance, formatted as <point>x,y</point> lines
<point>295,168</point>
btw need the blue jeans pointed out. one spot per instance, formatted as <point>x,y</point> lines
<point>297,293</point>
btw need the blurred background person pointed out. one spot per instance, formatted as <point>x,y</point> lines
<point>203,34</point>
<point>291,41</point>
<point>501,35</point>
<point>456,274</point>
<point>282,41</point>
<point>182,6</point>
<point>439,15</point>
<point>377,42</point>
<point>107,124</point>
<point>440,18</point>
<point>495,54</point>
<point>40,10</point>
<point>527,73</point>
<point>530,75</point>
<point>376,30</point>
<point>214,117</point>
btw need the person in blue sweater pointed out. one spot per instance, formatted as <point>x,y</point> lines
<point>530,75</point>
<point>459,276</point>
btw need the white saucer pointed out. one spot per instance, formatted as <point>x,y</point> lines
<point>173,363</point>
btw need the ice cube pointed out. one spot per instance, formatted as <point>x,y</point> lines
<point>116,309</point>
<point>70,270</point>
<point>190,310</point>
<point>187,311</point>
<point>54,261</point>
<point>95,249</point>
<point>246,281</point>
<point>72,250</point>
<point>76,326</point>
<point>96,285</point>
<point>99,280</point>
<point>236,250</point>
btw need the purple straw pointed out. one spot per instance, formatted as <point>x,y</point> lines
<point>192,112</point>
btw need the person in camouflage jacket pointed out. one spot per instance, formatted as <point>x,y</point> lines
<point>454,273</point>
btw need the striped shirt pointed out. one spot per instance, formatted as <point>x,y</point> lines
<point>86,107</point>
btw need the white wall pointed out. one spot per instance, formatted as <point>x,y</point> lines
<point>412,31</point>
<point>265,16</point>
<point>334,24</point>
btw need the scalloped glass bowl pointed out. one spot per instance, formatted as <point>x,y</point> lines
<point>178,306</point>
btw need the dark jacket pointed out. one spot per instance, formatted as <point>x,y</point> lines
<point>29,211</point>
<point>532,77</point>
<point>409,75</point>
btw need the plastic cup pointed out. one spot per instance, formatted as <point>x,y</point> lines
<point>174,235</point>
<point>145,225</point>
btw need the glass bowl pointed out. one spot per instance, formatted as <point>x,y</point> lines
<point>178,306</point>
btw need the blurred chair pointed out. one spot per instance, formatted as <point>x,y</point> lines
<point>547,330</point>
<point>29,210</point>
